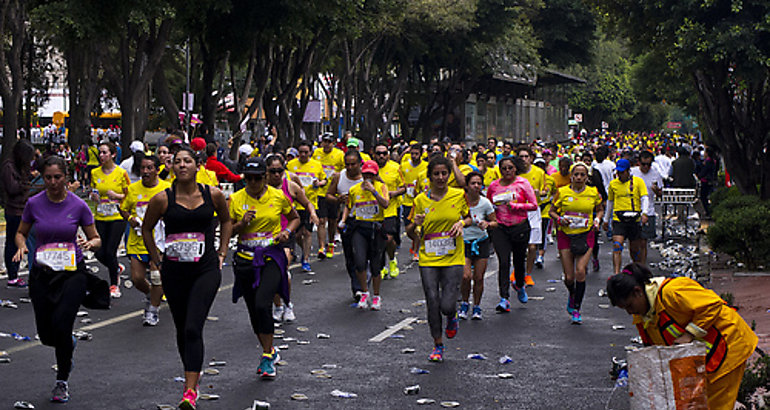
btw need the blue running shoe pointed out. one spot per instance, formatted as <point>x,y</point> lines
<point>266,369</point>
<point>521,293</point>
<point>463,313</point>
<point>476,313</point>
<point>576,318</point>
<point>437,355</point>
<point>570,309</point>
<point>306,266</point>
<point>504,306</point>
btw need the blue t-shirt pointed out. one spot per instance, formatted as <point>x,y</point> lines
<point>478,213</point>
<point>57,222</point>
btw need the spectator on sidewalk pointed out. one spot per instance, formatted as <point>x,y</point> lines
<point>16,174</point>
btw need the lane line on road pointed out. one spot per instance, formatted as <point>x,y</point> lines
<point>393,329</point>
<point>117,319</point>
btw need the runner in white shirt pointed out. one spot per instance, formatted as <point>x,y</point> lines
<point>654,183</point>
<point>662,163</point>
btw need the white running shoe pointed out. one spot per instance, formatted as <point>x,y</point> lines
<point>278,313</point>
<point>376,302</point>
<point>364,301</point>
<point>288,313</point>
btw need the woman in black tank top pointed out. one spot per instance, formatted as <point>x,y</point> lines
<point>192,270</point>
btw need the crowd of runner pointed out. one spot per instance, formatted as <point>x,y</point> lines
<point>175,206</point>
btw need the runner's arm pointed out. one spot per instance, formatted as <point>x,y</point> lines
<point>155,209</point>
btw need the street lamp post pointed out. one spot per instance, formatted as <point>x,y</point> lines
<point>187,90</point>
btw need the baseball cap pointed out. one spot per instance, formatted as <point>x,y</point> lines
<point>136,146</point>
<point>352,142</point>
<point>198,144</point>
<point>370,167</point>
<point>292,151</point>
<point>255,166</point>
<point>622,165</point>
<point>246,149</point>
<point>327,136</point>
<point>539,160</point>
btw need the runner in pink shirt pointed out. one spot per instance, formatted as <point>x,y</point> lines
<point>512,197</point>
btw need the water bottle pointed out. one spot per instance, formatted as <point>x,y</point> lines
<point>417,370</point>
<point>622,380</point>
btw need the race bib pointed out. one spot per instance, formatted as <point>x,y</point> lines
<point>107,207</point>
<point>577,220</point>
<point>503,198</point>
<point>257,240</point>
<point>439,244</point>
<point>185,247</point>
<point>328,170</point>
<point>141,209</point>
<point>410,190</point>
<point>367,210</point>
<point>305,180</point>
<point>57,256</point>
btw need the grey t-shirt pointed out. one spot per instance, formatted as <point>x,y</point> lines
<point>478,213</point>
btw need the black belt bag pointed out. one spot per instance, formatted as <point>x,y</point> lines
<point>628,216</point>
<point>578,243</point>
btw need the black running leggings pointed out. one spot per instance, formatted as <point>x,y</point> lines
<point>368,246</point>
<point>259,301</point>
<point>511,241</point>
<point>56,298</point>
<point>107,254</point>
<point>350,262</point>
<point>190,289</point>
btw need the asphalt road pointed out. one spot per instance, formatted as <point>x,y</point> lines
<point>555,365</point>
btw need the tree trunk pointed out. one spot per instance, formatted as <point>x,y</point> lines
<point>12,28</point>
<point>84,85</point>
<point>170,107</point>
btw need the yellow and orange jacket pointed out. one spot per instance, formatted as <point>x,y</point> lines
<point>681,305</point>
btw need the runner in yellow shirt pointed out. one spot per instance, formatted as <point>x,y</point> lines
<point>544,201</point>
<point>438,218</point>
<point>133,209</point>
<point>536,178</point>
<point>574,207</point>
<point>312,178</point>
<point>411,170</point>
<point>367,202</point>
<point>391,176</point>
<point>109,185</point>
<point>332,160</point>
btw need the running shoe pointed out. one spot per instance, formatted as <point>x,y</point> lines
<point>596,265</point>
<point>415,255</point>
<point>266,369</point>
<point>476,313</point>
<point>364,300</point>
<point>463,313</point>
<point>288,313</point>
<point>539,262</point>
<point>115,292</point>
<point>570,309</point>
<point>278,313</point>
<point>437,355</point>
<point>357,296</point>
<point>306,266</point>
<point>61,392</point>
<point>121,268</point>
<point>384,273</point>
<point>189,398</point>
<point>151,318</point>
<point>376,302</point>
<point>528,280</point>
<point>504,306</point>
<point>521,294</point>
<point>452,326</point>
<point>17,283</point>
<point>321,254</point>
<point>330,251</point>
<point>394,269</point>
<point>576,318</point>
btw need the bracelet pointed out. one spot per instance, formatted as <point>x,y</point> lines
<point>288,231</point>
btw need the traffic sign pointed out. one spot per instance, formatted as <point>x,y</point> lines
<point>578,117</point>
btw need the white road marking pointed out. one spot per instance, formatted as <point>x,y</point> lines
<point>117,319</point>
<point>393,329</point>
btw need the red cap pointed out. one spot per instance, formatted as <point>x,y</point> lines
<point>370,167</point>
<point>198,144</point>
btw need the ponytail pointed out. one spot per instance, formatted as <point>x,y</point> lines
<point>620,286</point>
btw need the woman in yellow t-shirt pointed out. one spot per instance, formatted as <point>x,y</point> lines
<point>367,200</point>
<point>109,184</point>
<point>574,207</point>
<point>438,218</point>
<point>133,209</point>
<point>260,264</point>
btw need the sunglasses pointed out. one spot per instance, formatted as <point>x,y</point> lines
<point>645,164</point>
<point>381,153</point>
<point>252,177</point>
<point>275,170</point>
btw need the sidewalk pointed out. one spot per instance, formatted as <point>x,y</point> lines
<point>750,293</point>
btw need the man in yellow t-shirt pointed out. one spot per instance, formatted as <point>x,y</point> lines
<point>312,178</point>
<point>132,208</point>
<point>561,177</point>
<point>627,204</point>
<point>544,202</point>
<point>391,176</point>
<point>536,177</point>
<point>332,160</point>
<point>411,170</point>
